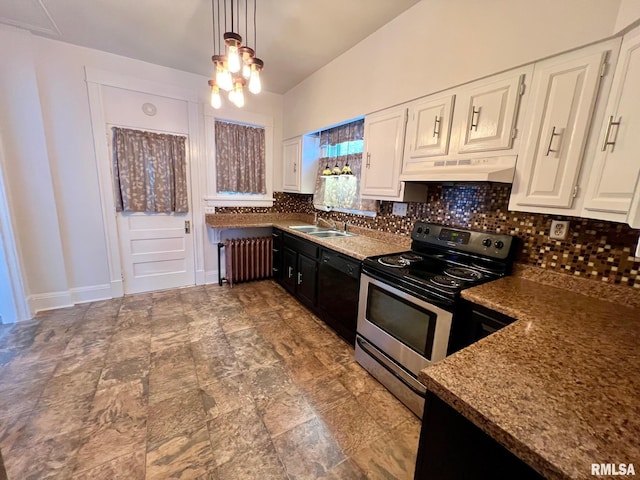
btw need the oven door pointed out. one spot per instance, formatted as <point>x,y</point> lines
<point>409,330</point>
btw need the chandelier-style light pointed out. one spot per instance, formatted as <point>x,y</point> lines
<point>238,65</point>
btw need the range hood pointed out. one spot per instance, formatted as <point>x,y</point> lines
<point>489,169</point>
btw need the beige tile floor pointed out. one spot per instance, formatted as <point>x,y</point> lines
<point>204,382</point>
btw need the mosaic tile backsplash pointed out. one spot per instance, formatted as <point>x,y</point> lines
<point>594,249</point>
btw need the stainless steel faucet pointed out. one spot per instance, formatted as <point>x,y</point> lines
<point>331,223</point>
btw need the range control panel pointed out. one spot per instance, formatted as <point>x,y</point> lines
<point>495,245</point>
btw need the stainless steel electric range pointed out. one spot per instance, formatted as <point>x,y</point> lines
<point>410,312</point>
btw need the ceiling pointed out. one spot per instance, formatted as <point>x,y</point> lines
<point>295,37</point>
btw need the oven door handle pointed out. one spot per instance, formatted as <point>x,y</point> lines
<point>405,378</point>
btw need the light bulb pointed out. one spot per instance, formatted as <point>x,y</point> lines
<point>225,82</point>
<point>232,96</point>
<point>246,70</point>
<point>233,58</point>
<point>238,96</point>
<point>216,101</point>
<point>255,86</point>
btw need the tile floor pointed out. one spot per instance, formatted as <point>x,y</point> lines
<point>203,382</point>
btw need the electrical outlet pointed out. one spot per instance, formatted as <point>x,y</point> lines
<point>209,209</point>
<point>400,209</point>
<point>559,229</point>
<point>638,249</point>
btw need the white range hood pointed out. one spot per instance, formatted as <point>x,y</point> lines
<point>489,169</point>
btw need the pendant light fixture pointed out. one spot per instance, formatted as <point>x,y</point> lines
<point>238,65</point>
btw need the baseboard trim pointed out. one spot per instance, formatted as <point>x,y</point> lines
<point>92,293</point>
<point>50,301</point>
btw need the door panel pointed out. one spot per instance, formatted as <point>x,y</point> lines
<point>617,165</point>
<point>156,253</point>
<point>428,128</point>
<point>291,155</point>
<point>563,101</point>
<point>489,115</point>
<point>307,279</point>
<point>289,259</point>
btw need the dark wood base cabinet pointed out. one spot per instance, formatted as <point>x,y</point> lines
<point>325,281</point>
<point>453,448</point>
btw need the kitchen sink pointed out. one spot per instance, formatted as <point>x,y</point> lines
<point>330,234</point>
<point>309,228</point>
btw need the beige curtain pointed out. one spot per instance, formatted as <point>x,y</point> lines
<point>240,158</point>
<point>342,191</point>
<point>150,172</point>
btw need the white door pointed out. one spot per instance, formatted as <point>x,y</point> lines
<point>487,113</point>
<point>616,169</point>
<point>291,154</point>
<point>156,251</point>
<point>383,148</point>
<point>565,91</point>
<point>428,128</point>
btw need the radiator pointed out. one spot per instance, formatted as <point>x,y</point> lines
<point>248,259</point>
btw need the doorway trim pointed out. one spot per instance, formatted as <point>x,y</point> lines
<point>10,253</point>
<point>97,79</point>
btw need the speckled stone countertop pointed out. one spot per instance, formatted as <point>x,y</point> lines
<point>560,387</point>
<point>365,242</point>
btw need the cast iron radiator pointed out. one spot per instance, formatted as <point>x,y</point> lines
<point>248,259</point>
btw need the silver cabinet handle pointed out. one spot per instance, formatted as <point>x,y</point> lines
<point>606,142</point>
<point>436,126</point>
<point>553,134</point>
<point>299,278</point>
<point>368,160</point>
<point>295,165</point>
<point>290,272</point>
<point>474,112</point>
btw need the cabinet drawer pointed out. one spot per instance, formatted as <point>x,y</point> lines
<point>302,246</point>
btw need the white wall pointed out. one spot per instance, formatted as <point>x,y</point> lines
<point>629,12</point>
<point>438,44</point>
<point>55,183</point>
<point>28,174</point>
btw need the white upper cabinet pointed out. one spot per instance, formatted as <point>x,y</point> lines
<point>613,183</point>
<point>565,90</point>
<point>300,164</point>
<point>384,136</point>
<point>429,127</point>
<point>487,110</point>
<point>382,153</point>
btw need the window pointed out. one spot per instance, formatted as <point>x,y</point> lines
<point>339,172</point>
<point>240,165</point>
<point>239,159</point>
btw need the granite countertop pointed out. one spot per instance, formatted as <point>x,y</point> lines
<point>560,387</point>
<point>365,242</point>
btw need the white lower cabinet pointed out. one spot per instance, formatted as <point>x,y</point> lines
<point>557,125</point>
<point>613,192</point>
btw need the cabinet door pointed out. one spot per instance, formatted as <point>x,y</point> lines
<point>614,177</point>
<point>486,113</point>
<point>291,155</point>
<point>383,148</point>
<point>428,128</point>
<point>289,265</point>
<point>306,279</point>
<point>564,94</point>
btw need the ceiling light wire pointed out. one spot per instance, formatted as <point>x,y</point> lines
<point>255,30</point>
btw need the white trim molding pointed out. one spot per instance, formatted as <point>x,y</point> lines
<point>20,309</point>
<point>214,199</point>
<point>91,294</point>
<point>96,80</point>
<point>50,301</point>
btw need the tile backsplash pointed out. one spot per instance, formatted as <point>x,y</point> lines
<point>594,249</point>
